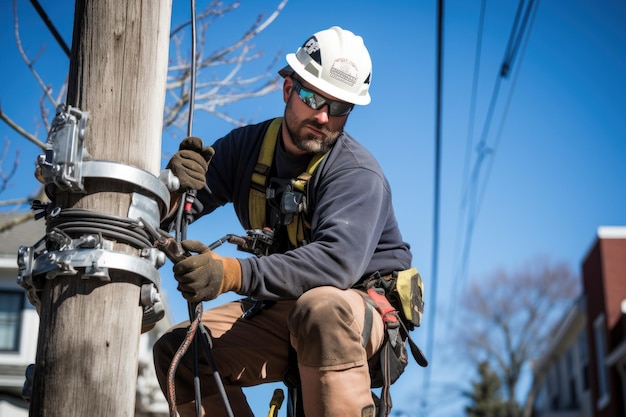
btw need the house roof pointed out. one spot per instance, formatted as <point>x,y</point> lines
<point>611,232</point>
<point>26,233</point>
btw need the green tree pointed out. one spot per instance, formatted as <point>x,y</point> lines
<point>485,396</point>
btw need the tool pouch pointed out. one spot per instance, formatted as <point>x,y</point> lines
<point>409,289</point>
<point>405,291</point>
<point>390,362</point>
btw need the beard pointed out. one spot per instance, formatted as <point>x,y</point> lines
<point>307,140</point>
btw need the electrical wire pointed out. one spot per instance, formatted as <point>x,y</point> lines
<point>498,136</point>
<point>50,26</point>
<point>72,221</point>
<point>183,219</point>
<point>468,147</point>
<point>476,188</point>
<point>435,259</point>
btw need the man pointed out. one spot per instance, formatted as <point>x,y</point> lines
<point>347,233</point>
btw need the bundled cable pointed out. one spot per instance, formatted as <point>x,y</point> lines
<point>77,222</point>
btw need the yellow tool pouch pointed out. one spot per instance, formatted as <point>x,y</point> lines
<point>409,289</point>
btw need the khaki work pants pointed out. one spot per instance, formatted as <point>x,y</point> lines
<point>324,325</point>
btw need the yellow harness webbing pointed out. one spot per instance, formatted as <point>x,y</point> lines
<point>257,200</point>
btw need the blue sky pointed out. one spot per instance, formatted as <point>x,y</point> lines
<point>556,169</point>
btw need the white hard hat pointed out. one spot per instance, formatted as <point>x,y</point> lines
<point>336,62</point>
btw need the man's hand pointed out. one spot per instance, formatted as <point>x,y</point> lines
<point>190,163</point>
<point>204,276</point>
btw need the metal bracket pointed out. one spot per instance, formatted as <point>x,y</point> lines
<point>86,263</point>
<point>66,163</point>
<point>144,180</point>
<point>61,164</point>
<point>65,166</point>
<point>92,262</point>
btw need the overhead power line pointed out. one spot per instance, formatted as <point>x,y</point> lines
<point>435,258</point>
<point>470,136</point>
<point>51,26</point>
<point>474,191</point>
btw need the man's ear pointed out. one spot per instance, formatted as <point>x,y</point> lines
<point>287,86</point>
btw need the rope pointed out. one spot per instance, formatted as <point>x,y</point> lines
<point>183,218</point>
<point>171,391</point>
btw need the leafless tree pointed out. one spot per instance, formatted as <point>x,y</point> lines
<point>219,80</point>
<point>508,317</point>
<point>223,85</point>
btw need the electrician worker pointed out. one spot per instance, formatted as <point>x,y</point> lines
<point>349,233</point>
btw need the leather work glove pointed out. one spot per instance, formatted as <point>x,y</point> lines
<point>204,276</point>
<point>190,163</point>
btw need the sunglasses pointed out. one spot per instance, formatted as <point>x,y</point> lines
<point>317,101</point>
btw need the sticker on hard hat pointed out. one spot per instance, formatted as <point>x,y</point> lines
<point>312,48</point>
<point>344,70</point>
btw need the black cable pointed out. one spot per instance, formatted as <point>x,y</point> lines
<point>476,188</point>
<point>97,229</point>
<point>192,74</point>
<point>80,221</point>
<point>518,39</point>
<point>183,219</point>
<point>51,28</point>
<point>469,146</point>
<point>435,260</point>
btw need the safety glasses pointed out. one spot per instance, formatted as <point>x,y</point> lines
<point>317,101</point>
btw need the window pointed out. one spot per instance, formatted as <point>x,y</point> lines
<point>599,335</point>
<point>11,305</point>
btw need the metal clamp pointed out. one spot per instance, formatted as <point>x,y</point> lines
<point>92,262</point>
<point>61,164</point>
<point>66,163</point>
<point>128,174</point>
<point>86,263</point>
<point>65,166</point>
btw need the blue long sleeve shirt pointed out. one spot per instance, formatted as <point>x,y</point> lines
<point>354,231</point>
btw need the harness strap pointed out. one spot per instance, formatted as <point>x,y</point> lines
<point>257,200</point>
<point>392,326</point>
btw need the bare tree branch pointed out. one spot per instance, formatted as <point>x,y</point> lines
<point>224,85</point>
<point>6,177</point>
<point>16,221</point>
<point>215,91</point>
<point>20,130</point>
<point>30,63</point>
<point>213,11</point>
<point>510,317</point>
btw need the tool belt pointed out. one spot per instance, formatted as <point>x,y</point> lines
<point>398,297</point>
<point>405,292</point>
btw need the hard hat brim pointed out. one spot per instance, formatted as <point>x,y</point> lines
<point>322,85</point>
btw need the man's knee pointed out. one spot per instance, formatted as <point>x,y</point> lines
<point>324,332</point>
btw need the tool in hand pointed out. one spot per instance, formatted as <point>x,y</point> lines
<point>166,243</point>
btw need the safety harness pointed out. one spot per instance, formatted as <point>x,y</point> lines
<point>260,192</point>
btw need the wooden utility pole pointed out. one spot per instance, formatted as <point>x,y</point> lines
<point>87,352</point>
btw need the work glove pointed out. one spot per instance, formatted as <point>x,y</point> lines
<point>204,276</point>
<point>190,163</point>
